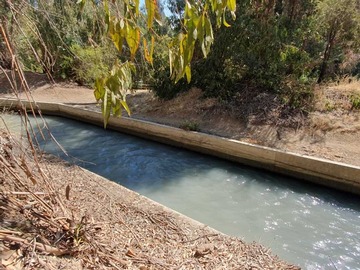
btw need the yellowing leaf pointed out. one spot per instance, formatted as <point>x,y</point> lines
<point>105,107</point>
<point>149,55</point>
<point>107,17</point>
<point>137,7</point>
<point>111,90</point>
<point>116,32</point>
<point>171,63</point>
<point>158,18</point>
<point>99,89</point>
<point>195,34</point>
<point>152,49</point>
<point>118,41</point>
<point>146,52</point>
<point>231,5</point>
<point>225,22</point>
<point>126,107</point>
<point>132,38</point>
<point>188,73</point>
<point>151,6</point>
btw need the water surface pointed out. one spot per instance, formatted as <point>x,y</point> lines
<point>308,225</point>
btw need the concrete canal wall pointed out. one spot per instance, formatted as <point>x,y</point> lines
<point>324,172</point>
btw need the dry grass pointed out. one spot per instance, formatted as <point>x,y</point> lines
<point>33,217</point>
<point>351,85</point>
<point>335,107</point>
<point>337,96</point>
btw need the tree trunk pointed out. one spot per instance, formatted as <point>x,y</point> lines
<point>279,7</point>
<point>327,53</point>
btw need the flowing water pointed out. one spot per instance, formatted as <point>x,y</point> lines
<point>308,225</point>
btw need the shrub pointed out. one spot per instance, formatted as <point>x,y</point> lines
<point>298,93</point>
<point>355,101</point>
<point>258,54</point>
<point>190,126</point>
<point>356,70</point>
<point>163,86</point>
<point>88,63</point>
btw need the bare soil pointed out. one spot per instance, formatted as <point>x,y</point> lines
<point>329,133</point>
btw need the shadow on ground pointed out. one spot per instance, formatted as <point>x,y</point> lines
<point>34,80</point>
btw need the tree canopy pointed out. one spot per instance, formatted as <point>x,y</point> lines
<point>57,22</point>
<point>276,45</point>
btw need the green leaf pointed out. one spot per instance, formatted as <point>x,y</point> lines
<point>209,35</point>
<point>197,28</point>
<point>201,32</point>
<point>113,99</point>
<point>112,83</point>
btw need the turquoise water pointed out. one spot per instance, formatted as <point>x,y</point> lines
<point>308,225</point>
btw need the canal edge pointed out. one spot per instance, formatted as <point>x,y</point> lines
<point>328,173</point>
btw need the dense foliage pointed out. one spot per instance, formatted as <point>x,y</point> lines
<point>274,46</point>
<point>266,50</point>
<point>282,47</point>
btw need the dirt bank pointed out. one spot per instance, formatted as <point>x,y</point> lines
<point>330,131</point>
<point>331,134</point>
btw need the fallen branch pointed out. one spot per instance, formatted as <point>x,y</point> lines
<point>38,246</point>
<point>202,236</point>
<point>24,193</point>
<point>10,232</point>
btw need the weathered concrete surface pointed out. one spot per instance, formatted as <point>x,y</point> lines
<point>332,174</point>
